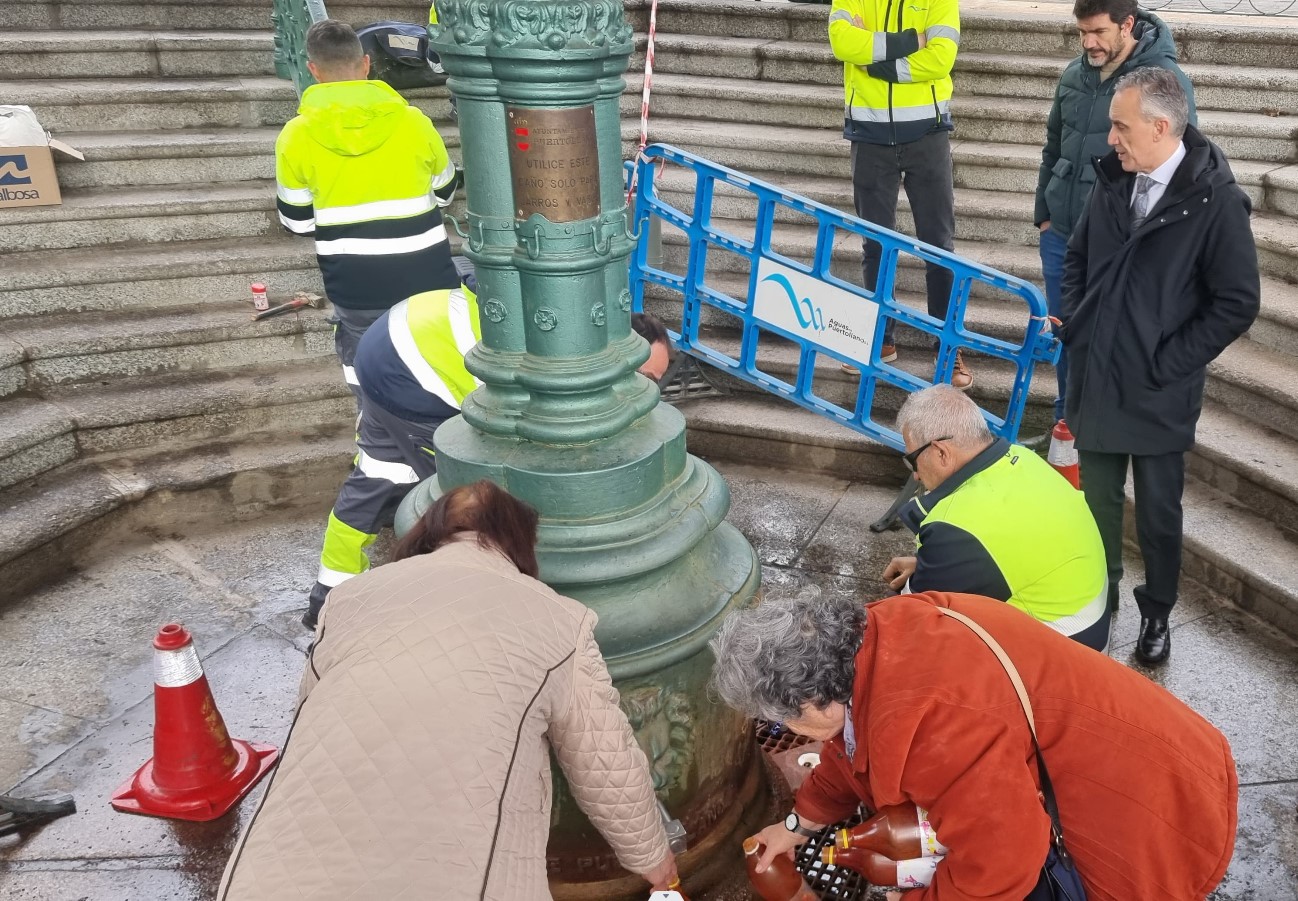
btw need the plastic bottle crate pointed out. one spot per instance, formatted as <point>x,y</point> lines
<point>827,881</point>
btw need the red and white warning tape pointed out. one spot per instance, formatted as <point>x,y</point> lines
<point>644,96</point>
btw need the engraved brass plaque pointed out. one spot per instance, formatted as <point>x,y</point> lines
<point>554,161</point>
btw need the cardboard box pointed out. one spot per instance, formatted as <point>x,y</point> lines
<point>27,176</point>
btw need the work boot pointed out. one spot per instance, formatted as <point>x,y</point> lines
<point>961,375</point>
<point>314,604</point>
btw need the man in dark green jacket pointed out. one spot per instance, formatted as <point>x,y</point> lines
<point>1117,37</point>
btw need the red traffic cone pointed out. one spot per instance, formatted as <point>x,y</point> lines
<point>197,771</point>
<point>1063,456</point>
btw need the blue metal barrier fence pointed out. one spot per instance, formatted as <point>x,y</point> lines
<point>805,303</point>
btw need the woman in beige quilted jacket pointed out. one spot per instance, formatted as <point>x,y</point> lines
<point>418,765</point>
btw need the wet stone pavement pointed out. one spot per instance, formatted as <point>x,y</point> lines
<point>76,681</point>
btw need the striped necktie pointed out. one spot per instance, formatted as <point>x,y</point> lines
<point>1140,202</point>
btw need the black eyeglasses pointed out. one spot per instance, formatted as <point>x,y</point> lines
<point>912,458</point>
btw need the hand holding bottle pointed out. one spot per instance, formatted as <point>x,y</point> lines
<point>776,840</point>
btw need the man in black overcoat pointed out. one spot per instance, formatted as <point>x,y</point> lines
<point>1160,276</point>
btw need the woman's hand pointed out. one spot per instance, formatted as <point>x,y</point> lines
<point>664,876</point>
<point>776,840</point>
<point>893,896</point>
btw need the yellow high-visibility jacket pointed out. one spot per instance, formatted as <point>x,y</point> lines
<point>895,91</point>
<point>367,174</point>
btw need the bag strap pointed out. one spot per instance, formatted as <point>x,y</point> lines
<point>1047,789</point>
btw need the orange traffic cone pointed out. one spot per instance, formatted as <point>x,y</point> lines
<point>1063,456</point>
<point>197,772</point>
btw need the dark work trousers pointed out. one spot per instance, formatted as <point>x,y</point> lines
<point>1159,481</point>
<point>349,326</point>
<point>395,455</point>
<point>923,167</point>
<point>1053,248</point>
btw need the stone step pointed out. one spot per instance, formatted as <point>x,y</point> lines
<point>63,281</point>
<point>1276,326</point>
<point>1240,554</point>
<point>1006,120</point>
<point>222,14</point>
<point>1258,384</point>
<point>35,436</point>
<point>101,346</point>
<point>1277,245</point>
<point>1046,30</point>
<point>124,104</point>
<point>133,14</point>
<point>823,153</point>
<point>1232,88</point>
<point>38,434</point>
<point>101,216</point>
<point>44,521</point>
<point>766,431</point>
<point>991,216</point>
<point>1256,466</point>
<point>218,404</point>
<point>181,156</point>
<point>135,54</point>
<point>1282,191</point>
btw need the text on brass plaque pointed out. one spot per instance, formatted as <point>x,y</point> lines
<point>554,161</point>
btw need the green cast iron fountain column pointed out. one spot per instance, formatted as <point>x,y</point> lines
<point>631,524</point>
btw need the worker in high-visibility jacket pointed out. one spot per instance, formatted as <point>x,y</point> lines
<point>897,59</point>
<point>410,366</point>
<point>367,174</point>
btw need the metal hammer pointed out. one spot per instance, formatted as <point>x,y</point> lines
<point>300,299</point>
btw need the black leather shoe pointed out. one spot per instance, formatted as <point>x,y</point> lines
<point>1155,642</point>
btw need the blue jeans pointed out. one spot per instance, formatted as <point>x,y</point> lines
<point>1053,248</point>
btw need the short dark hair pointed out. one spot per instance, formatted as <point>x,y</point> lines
<point>650,328</point>
<point>501,520</point>
<point>330,43</point>
<point>1116,10</point>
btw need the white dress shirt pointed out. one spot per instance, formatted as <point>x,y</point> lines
<point>1160,177</point>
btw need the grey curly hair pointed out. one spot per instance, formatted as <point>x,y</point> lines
<point>786,652</point>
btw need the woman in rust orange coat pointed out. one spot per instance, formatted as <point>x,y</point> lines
<point>913,706</point>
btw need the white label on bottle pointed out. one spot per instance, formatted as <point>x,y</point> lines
<point>917,873</point>
<point>928,843</point>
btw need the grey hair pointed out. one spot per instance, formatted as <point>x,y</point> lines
<point>943,412</point>
<point>785,652</point>
<point>1161,96</point>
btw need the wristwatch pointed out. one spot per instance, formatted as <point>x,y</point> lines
<point>793,824</point>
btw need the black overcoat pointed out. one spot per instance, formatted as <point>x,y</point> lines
<point>1145,311</point>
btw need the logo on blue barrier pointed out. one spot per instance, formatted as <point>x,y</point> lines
<point>815,311</point>
<point>12,167</point>
<point>809,315</point>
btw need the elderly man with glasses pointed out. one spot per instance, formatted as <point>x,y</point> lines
<point>996,520</point>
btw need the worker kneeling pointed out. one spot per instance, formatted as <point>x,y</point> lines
<point>410,365</point>
<point>997,521</point>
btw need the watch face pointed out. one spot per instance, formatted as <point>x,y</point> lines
<point>791,822</point>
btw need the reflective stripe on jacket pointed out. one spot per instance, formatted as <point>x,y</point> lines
<point>894,91</point>
<point>367,173</point>
<point>411,361</point>
<point>1007,526</point>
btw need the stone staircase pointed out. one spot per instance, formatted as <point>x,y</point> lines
<point>129,365</point>
<point>754,86</point>
<point>130,370</point>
